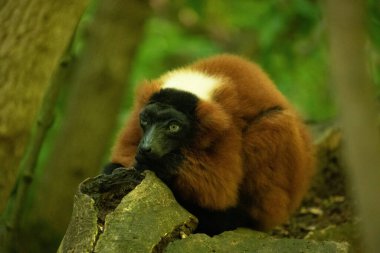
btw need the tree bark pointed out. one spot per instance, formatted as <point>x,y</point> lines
<point>98,86</point>
<point>33,35</point>
<point>355,96</point>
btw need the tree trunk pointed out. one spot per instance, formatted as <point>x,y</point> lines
<point>33,35</point>
<point>356,98</point>
<point>93,107</point>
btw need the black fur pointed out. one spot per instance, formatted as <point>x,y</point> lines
<point>165,168</point>
<point>164,107</point>
<point>182,101</point>
<point>213,222</point>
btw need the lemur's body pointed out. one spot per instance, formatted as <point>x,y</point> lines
<point>224,139</point>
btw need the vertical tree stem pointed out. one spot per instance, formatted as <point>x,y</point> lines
<point>356,98</point>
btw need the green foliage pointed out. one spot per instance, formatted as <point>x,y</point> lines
<point>163,41</point>
<point>285,37</point>
<point>374,33</point>
<point>374,22</point>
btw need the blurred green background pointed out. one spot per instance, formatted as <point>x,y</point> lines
<point>287,38</point>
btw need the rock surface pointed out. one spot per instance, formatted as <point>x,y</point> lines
<point>146,220</point>
<point>125,212</point>
<point>246,240</point>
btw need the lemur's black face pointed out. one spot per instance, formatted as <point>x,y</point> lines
<point>165,130</point>
<point>168,123</point>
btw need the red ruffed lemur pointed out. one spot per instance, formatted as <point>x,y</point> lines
<point>225,141</point>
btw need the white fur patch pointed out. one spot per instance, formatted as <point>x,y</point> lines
<point>191,81</point>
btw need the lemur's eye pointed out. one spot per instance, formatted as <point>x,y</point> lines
<point>143,122</point>
<point>174,127</point>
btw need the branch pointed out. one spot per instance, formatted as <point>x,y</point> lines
<point>27,170</point>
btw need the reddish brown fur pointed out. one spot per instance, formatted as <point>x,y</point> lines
<point>267,158</point>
